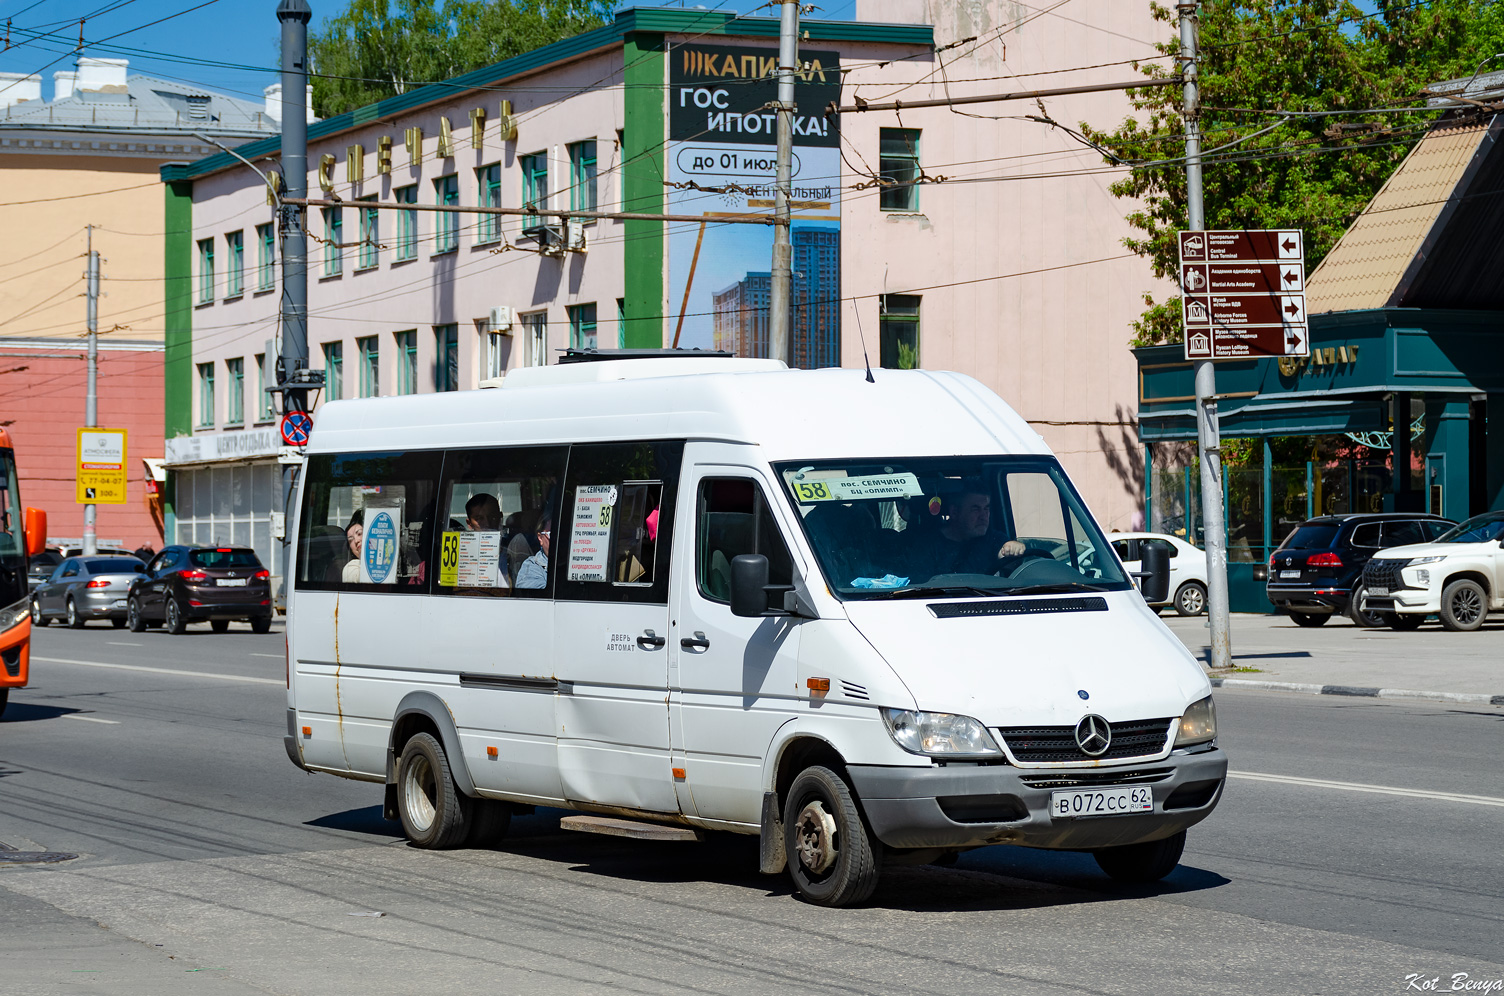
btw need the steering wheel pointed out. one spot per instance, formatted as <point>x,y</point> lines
<point>1022,561</point>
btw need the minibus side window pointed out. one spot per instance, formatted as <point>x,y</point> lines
<point>367,522</point>
<point>733,519</point>
<point>615,522</point>
<point>497,510</point>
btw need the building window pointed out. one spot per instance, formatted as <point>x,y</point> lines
<point>334,371</point>
<point>535,330</point>
<point>582,176</point>
<point>582,326</point>
<point>265,237</point>
<point>235,271</point>
<point>370,235</point>
<point>370,366</point>
<point>205,395</point>
<point>495,353</point>
<point>407,361</point>
<point>621,323</point>
<point>205,271</point>
<point>334,234</point>
<point>488,179</point>
<point>535,179</point>
<point>898,164</point>
<point>446,361</point>
<point>407,222</point>
<point>263,400</point>
<point>446,191</point>
<point>228,505</point>
<point>898,331</point>
<point>235,403</point>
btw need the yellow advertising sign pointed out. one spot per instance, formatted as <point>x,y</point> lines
<point>101,467</point>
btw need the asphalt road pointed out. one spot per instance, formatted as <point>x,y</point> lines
<point>1357,844</point>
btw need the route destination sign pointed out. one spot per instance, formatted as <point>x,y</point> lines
<point>1243,294</point>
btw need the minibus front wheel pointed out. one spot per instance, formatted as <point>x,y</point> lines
<point>832,858</point>
<point>1142,863</point>
<point>433,810</point>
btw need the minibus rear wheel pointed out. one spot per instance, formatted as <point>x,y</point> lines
<point>433,810</point>
<point>832,858</point>
<point>1146,862</point>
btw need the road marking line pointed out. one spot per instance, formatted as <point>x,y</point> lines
<point>90,719</point>
<point>1476,800</point>
<point>273,656</point>
<point>115,643</point>
<point>160,670</point>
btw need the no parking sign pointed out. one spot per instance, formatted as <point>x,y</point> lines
<point>296,427</point>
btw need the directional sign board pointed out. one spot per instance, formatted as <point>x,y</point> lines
<point>1243,294</point>
<point>296,427</point>
<point>100,472</point>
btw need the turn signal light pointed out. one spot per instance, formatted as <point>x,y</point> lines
<point>307,731</point>
<point>1324,560</point>
<point>819,686</point>
<point>491,752</point>
<point>680,773</point>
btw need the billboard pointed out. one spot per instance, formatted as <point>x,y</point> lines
<point>100,470</point>
<point>721,161</point>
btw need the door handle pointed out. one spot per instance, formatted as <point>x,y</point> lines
<point>649,641</point>
<point>699,642</point>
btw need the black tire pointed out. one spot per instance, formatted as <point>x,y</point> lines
<point>1308,620</point>
<point>1190,599</point>
<point>1371,620</point>
<point>117,623</point>
<point>71,616</point>
<point>219,625</point>
<point>489,822</point>
<point>37,619</point>
<point>133,618</point>
<point>173,620</point>
<point>1464,605</point>
<point>261,624</point>
<point>1403,623</point>
<point>435,813</point>
<point>1140,863</point>
<point>832,858</point>
<point>4,699</point>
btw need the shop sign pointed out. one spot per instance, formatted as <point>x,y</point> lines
<point>101,467</point>
<point>214,446</point>
<point>1329,356</point>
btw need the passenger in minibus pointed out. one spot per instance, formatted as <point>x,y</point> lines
<point>350,573</point>
<point>534,570</point>
<point>483,512</point>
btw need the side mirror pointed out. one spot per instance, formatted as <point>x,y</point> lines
<point>749,581</point>
<point>36,531</point>
<point>1154,579</point>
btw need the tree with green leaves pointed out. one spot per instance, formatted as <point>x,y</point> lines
<point>1307,107</point>
<point>376,49</point>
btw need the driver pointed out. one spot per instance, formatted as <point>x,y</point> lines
<point>966,543</point>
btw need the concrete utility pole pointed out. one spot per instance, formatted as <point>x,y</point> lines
<point>294,15</point>
<point>91,398</point>
<point>780,336</point>
<point>1208,433</point>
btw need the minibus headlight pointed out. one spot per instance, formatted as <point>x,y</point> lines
<point>939,734</point>
<point>15,614</point>
<point>1198,725</point>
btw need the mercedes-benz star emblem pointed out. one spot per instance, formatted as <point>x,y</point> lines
<point>1093,735</point>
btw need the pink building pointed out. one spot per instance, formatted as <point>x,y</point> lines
<point>988,245</point>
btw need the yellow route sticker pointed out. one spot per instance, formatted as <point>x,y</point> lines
<point>449,560</point>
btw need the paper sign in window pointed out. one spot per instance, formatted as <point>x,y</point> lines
<point>590,533</point>
<point>479,556</point>
<point>858,488</point>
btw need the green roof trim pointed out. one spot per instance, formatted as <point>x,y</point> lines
<point>650,20</point>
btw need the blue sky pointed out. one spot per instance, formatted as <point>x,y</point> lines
<point>240,33</point>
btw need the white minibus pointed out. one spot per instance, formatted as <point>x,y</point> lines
<point>864,616</point>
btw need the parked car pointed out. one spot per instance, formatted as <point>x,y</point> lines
<point>40,567</point>
<point>184,584</point>
<point>1317,572</point>
<point>1187,568</point>
<point>1459,576</point>
<point>84,588</point>
<point>78,551</point>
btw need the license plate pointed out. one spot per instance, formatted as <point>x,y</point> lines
<point>1102,802</point>
<point>1378,591</point>
<point>119,603</point>
<point>1289,574</point>
<point>233,582</point>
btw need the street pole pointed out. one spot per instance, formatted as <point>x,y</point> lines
<point>91,396</point>
<point>780,336</point>
<point>294,15</point>
<point>1208,433</point>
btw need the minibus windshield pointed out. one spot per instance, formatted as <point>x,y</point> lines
<point>949,527</point>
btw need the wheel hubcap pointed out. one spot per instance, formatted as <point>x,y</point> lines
<point>418,791</point>
<point>1465,606</point>
<point>1191,599</point>
<point>816,831</point>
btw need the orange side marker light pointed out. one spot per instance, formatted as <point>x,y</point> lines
<point>491,752</point>
<point>818,686</point>
<point>680,773</point>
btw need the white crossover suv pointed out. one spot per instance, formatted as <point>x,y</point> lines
<point>1459,577</point>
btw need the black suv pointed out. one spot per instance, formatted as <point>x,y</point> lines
<point>1317,572</point>
<point>183,584</point>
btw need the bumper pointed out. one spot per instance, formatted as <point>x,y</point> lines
<point>101,606</point>
<point>15,655</point>
<point>247,609</point>
<point>957,806</point>
<point>1405,601</point>
<point>1315,601</point>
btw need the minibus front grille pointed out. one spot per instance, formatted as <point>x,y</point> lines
<point>1077,779</point>
<point>1057,744</point>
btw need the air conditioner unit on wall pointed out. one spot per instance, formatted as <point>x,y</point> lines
<point>501,319</point>
<point>574,235</point>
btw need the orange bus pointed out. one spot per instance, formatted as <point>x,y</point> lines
<point>20,539</point>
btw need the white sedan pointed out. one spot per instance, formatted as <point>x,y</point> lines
<point>1187,568</point>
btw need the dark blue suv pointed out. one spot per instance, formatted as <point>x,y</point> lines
<point>1318,571</point>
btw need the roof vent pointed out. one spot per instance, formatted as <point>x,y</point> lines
<point>198,108</point>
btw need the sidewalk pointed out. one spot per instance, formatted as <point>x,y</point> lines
<point>1354,660</point>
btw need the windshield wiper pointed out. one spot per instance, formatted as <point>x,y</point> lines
<point>1055,589</point>
<point>931,591</point>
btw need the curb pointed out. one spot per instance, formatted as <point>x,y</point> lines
<point>1475,698</point>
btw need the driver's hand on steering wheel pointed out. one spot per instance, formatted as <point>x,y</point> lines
<point>1012,548</point>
